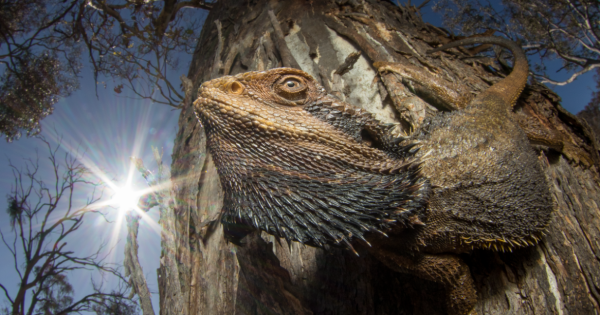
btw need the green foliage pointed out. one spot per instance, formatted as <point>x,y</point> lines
<point>14,210</point>
<point>38,64</point>
<point>56,293</point>
<point>135,42</point>
<point>28,93</point>
<point>115,304</point>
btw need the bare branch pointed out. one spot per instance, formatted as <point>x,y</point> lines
<point>544,79</point>
<point>423,4</point>
<point>6,293</point>
<point>566,30</point>
<point>43,237</point>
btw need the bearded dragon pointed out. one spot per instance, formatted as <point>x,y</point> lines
<point>299,164</point>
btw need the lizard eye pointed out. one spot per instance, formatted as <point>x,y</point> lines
<point>292,88</point>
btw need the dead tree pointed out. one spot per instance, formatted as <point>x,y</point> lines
<point>44,215</point>
<point>337,42</point>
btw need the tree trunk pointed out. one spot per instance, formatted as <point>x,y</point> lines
<point>269,276</point>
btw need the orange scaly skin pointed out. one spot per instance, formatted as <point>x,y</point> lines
<point>302,165</point>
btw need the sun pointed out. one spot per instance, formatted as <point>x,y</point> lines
<point>125,198</point>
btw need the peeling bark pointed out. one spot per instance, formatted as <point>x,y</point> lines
<point>561,275</point>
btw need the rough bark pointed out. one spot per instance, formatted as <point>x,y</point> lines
<point>132,266</point>
<point>269,276</point>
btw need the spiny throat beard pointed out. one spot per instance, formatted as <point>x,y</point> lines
<point>297,168</point>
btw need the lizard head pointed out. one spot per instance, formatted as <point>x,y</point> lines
<point>278,104</point>
<point>266,103</point>
<point>296,163</point>
<point>282,89</point>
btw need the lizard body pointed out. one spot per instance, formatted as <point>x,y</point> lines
<point>305,166</point>
<point>295,164</point>
<point>492,188</point>
<point>447,96</point>
<point>491,192</point>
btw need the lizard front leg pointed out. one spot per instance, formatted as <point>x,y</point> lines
<point>449,270</point>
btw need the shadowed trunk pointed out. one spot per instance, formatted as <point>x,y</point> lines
<point>337,42</point>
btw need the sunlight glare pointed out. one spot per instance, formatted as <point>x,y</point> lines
<point>125,198</point>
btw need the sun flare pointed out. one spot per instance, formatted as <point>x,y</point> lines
<point>125,198</point>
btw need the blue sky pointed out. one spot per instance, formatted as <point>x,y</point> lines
<point>111,128</point>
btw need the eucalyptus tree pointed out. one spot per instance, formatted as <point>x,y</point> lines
<point>44,44</point>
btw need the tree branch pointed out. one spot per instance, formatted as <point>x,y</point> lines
<point>544,79</point>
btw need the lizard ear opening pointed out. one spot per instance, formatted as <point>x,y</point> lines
<point>292,88</point>
<point>368,138</point>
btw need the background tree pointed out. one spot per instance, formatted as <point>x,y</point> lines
<point>115,304</point>
<point>43,218</point>
<point>134,42</point>
<point>37,65</point>
<point>566,30</point>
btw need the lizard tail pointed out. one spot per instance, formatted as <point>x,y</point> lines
<point>511,87</point>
